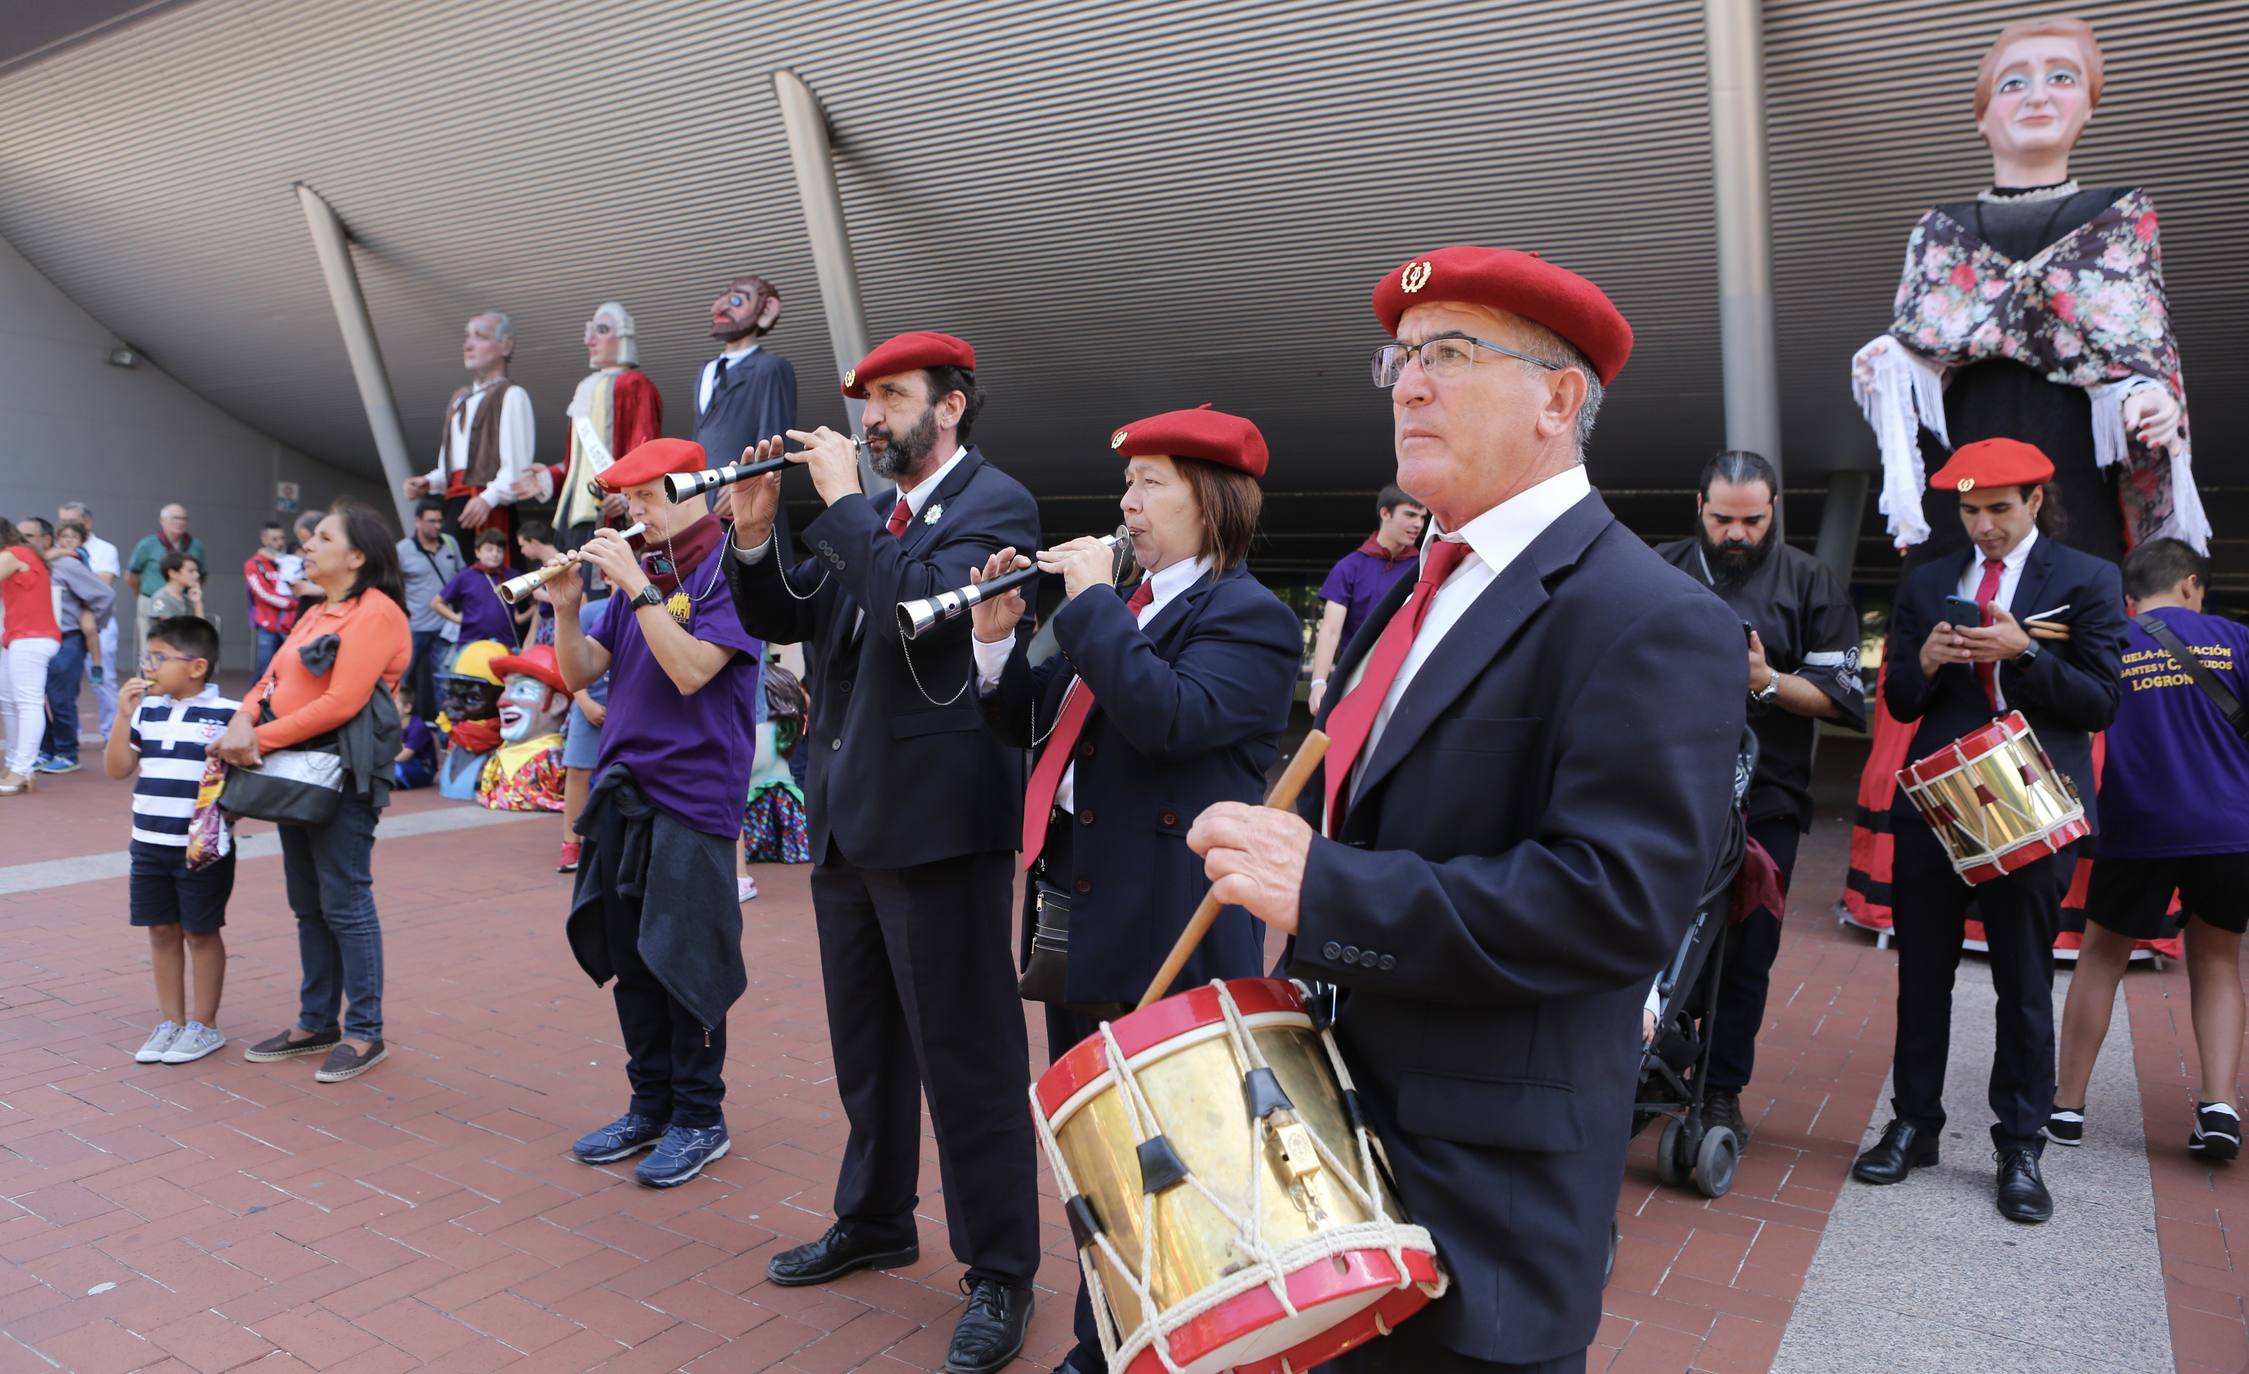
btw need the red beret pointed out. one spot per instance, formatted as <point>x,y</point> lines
<point>538,661</point>
<point>1211,435</point>
<point>651,461</point>
<point>1993,463</point>
<point>908,353</point>
<point>1520,284</point>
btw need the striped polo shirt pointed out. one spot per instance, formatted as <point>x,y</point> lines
<point>169,736</point>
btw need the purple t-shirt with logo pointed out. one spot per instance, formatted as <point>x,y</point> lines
<point>690,755</point>
<point>1359,582</point>
<point>475,593</point>
<point>2176,779</point>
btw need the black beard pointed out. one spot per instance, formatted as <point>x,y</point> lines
<point>1732,564</point>
<point>903,453</point>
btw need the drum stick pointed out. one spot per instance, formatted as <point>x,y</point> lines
<point>1281,798</point>
<point>2039,629</point>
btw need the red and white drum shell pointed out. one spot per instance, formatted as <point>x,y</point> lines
<point>1995,800</point>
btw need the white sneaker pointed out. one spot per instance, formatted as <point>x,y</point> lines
<point>745,889</point>
<point>195,1040</point>
<point>159,1040</point>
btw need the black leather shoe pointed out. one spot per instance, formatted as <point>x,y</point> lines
<point>2022,1192</point>
<point>1722,1107</point>
<point>847,1246</point>
<point>1902,1149</point>
<point>990,1332</point>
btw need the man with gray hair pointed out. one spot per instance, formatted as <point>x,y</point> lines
<point>489,438</point>
<point>147,562</point>
<point>101,556</point>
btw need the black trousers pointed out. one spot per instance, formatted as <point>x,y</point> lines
<point>921,999</point>
<point>2021,915</point>
<point>1747,976</point>
<point>676,1066</point>
<point>1410,1347</point>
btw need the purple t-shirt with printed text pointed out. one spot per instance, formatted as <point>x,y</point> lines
<point>475,593</point>
<point>690,755</point>
<point>2176,777</point>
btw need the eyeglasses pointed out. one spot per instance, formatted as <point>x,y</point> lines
<point>1447,355</point>
<point>151,660</point>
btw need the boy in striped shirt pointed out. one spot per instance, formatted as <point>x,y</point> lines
<point>175,711</point>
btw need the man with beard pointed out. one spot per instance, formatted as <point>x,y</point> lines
<point>914,810</point>
<point>746,393</point>
<point>1803,668</point>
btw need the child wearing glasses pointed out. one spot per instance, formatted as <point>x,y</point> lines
<point>175,710</point>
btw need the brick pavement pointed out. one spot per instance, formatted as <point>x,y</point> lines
<point>220,1214</point>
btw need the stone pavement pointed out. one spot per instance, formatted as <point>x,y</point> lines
<point>226,1214</point>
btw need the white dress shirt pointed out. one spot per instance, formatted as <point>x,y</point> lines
<point>884,505</point>
<point>2010,577</point>
<point>1494,539</point>
<point>735,357</point>
<point>518,445</point>
<point>101,556</point>
<point>991,658</point>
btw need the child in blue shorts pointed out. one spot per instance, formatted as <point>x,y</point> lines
<point>174,712</point>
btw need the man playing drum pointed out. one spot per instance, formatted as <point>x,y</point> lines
<point>1957,679</point>
<point>1531,771</point>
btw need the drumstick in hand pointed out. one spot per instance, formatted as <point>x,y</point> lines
<point>1281,798</point>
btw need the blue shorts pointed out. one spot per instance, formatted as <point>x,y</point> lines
<point>163,891</point>
<point>581,740</point>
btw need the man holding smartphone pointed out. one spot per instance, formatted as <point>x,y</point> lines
<point>1803,647</point>
<point>1958,680</point>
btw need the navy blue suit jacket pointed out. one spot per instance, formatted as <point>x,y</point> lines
<point>1526,849</point>
<point>2068,693</point>
<point>756,399</point>
<point>896,780</point>
<point>1188,711</point>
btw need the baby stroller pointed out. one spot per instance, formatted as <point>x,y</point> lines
<point>1672,1068</point>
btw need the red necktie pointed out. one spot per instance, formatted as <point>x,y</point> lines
<point>1352,720</point>
<point>1046,778</point>
<point>1987,591</point>
<point>899,515</point>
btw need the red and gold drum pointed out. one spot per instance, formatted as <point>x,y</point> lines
<point>1230,1207</point>
<point>1995,800</point>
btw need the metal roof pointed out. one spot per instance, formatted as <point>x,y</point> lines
<point>1126,206</point>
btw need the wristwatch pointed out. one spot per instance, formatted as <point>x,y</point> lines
<point>648,596</point>
<point>2028,656</point>
<point>1771,689</point>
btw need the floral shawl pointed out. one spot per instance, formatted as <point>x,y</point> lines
<point>2088,311</point>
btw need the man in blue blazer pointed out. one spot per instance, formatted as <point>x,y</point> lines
<point>1954,679</point>
<point>748,392</point>
<point>1529,783</point>
<point>914,809</point>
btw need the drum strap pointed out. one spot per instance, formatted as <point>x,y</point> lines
<point>2227,703</point>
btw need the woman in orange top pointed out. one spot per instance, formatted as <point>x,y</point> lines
<point>352,557</point>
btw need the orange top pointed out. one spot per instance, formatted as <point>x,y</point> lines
<point>376,644</point>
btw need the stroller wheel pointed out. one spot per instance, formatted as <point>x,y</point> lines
<point>1715,1161</point>
<point>1608,1270</point>
<point>1673,1159</point>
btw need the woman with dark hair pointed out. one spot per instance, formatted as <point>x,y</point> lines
<point>1163,702</point>
<point>340,662</point>
<point>29,640</point>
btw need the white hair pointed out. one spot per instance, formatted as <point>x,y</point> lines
<point>621,320</point>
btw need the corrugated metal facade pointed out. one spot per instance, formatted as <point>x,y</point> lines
<point>1126,207</point>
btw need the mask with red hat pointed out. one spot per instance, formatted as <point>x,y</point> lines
<point>533,695</point>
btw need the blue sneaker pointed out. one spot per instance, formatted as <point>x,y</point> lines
<point>54,765</point>
<point>627,1135</point>
<point>681,1155</point>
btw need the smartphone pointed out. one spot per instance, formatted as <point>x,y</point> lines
<point>1748,631</point>
<point>1960,611</point>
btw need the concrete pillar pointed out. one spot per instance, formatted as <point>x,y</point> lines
<point>814,158</point>
<point>1734,41</point>
<point>1840,516</point>
<point>333,246</point>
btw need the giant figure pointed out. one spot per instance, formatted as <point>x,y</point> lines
<point>489,437</point>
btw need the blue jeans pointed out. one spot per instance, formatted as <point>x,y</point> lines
<point>331,883</point>
<point>61,740</point>
<point>430,650</point>
<point>269,644</point>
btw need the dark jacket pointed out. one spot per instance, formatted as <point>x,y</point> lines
<point>2068,693</point>
<point>1525,850</point>
<point>690,922</point>
<point>1187,712</point>
<point>896,779</point>
<point>756,399</point>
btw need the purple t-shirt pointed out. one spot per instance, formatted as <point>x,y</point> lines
<point>2176,780</point>
<point>1358,583</point>
<point>475,593</point>
<point>690,755</point>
